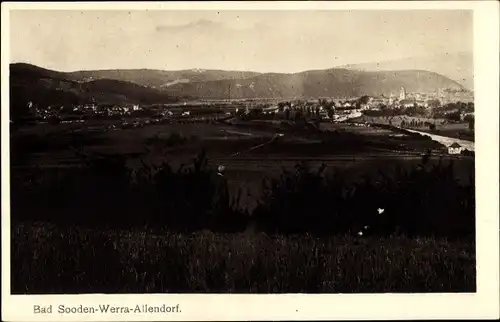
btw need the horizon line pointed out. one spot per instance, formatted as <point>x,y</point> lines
<point>342,66</point>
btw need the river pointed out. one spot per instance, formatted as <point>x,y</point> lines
<point>447,141</point>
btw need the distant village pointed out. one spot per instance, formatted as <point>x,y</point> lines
<point>443,102</point>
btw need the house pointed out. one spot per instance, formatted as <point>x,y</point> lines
<point>421,103</point>
<point>377,101</point>
<point>455,148</point>
<point>271,109</point>
<point>464,115</point>
<point>406,103</point>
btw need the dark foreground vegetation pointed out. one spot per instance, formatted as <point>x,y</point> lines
<point>105,228</point>
<point>426,200</point>
<point>51,259</point>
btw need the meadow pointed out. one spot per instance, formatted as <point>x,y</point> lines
<point>440,126</point>
<point>53,259</point>
<point>101,225</point>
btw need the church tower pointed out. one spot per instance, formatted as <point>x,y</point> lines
<point>402,93</point>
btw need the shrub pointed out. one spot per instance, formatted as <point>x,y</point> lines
<point>424,200</point>
<point>175,139</point>
<point>106,192</point>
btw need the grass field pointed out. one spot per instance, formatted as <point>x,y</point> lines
<point>53,259</point>
<point>65,257</point>
<point>458,130</point>
<point>354,149</point>
<point>217,139</point>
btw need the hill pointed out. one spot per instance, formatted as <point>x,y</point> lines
<point>47,87</point>
<point>317,83</point>
<point>456,66</point>
<point>160,78</point>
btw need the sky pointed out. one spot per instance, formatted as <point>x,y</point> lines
<point>261,41</point>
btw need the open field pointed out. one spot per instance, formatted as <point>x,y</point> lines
<point>447,141</point>
<point>142,261</point>
<point>259,253</point>
<point>443,127</point>
<point>223,139</point>
<point>344,146</point>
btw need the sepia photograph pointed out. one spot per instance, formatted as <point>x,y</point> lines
<point>240,151</point>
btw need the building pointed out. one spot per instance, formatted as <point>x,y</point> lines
<point>464,115</point>
<point>271,109</point>
<point>421,103</point>
<point>433,103</point>
<point>406,103</point>
<point>402,93</point>
<point>455,148</point>
<point>376,102</point>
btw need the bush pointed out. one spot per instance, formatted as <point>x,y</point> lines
<point>425,200</point>
<point>175,139</point>
<point>467,152</point>
<point>106,192</point>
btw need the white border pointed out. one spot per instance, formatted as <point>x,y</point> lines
<point>483,304</point>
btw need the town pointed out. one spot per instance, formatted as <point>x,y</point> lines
<point>264,156</point>
<point>427,112</point>
<point>324,108</point>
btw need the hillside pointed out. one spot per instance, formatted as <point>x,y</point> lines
<point>456,66</point>
<point>47,87</point>
<point>317,83</point>
<point>160,78</point>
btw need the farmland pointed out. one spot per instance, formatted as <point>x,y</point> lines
<point>139,205</point>
<point>443,127</point>
<point>335,145</point>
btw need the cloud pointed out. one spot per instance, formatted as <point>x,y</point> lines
<point>202,23</point>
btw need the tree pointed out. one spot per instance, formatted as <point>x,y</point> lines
<point>455,116</point>
<point>298,115</point>
<point>471,124</point>
<point>54,120</point>
<point>330,111</point>
<point>364,99</point>
<point>434,103</point>
<point>287,114</point>
<point>470,107</point>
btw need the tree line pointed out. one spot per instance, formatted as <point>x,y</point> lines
<point>425,199</point>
